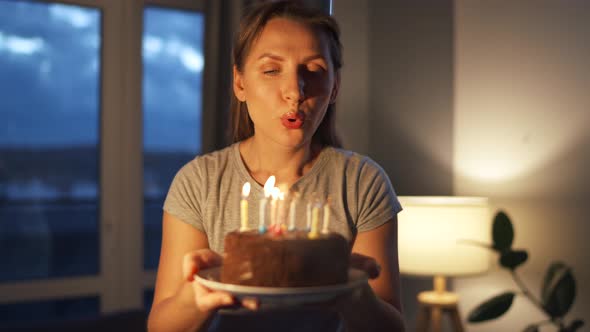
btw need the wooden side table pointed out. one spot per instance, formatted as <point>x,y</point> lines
<point>435,304</point>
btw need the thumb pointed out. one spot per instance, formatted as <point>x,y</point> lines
<point>194,261</point>
<point>365,263</point>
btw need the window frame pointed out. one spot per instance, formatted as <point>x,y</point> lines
<point>121,280</point>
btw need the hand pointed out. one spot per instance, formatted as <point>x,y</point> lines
<point>365,263</point>
<point>207,299</point>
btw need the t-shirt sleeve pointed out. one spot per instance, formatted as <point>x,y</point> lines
<point>378,202</point>
<point>184,199</point>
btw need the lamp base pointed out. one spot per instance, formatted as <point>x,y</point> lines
<point>438,298</point>
<point>432,306</point>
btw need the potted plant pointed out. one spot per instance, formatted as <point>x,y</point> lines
<point>557,293</point>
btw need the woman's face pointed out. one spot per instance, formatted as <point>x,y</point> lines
<point>288,81</point>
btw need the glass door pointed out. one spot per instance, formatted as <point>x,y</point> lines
<point>101,103</point>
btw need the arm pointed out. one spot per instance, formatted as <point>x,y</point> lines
<point>379,306</point>
<point>181,304</point>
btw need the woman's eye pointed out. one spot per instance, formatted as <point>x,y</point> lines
<point>270,71</point>
<point>315,68</point>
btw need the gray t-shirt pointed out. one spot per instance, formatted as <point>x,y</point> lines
<point>206,193</point>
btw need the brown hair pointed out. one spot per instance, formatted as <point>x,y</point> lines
<point>250,28</point>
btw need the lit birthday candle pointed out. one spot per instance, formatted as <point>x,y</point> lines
<point>281,209</point>
<point>315,219</point>
<point>273,205</point>
<point>326,216</point>
<point>292,209</point>
<point>282,206</point>
<point>268,185</point>
<point>244,206</point>
<point>308,212</point>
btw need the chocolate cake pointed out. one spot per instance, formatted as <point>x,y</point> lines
<point>287,260</point>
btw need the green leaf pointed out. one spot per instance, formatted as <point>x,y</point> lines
<point>502,232</point>
<point>559,290</point>
<point>555,269</point>
<point>532,328</point>
<point>492,308</point>
<point>576,324</point>
<point>513,258</point>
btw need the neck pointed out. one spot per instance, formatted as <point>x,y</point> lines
<point>263,159</point>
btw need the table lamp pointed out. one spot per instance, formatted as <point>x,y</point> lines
<point>434,235</point>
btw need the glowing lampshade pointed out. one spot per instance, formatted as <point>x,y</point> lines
<point>432,234</point>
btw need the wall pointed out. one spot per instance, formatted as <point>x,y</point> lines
<point>353,97</point>
<point>477,97</point>
<point>410,81</point>
<point>522,137</point>
<point>396,99</point>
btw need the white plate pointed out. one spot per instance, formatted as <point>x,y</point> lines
<point>281,296</point>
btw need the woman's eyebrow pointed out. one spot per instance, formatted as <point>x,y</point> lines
<point>313,57</point>
<point>271,56</point>
<point>280,58</point>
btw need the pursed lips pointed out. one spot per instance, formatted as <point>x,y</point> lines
<point>293,120</point>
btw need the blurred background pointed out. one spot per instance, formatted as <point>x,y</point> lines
<point>102,101</point>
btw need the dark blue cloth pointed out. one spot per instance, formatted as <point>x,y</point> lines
<point>277,320</point>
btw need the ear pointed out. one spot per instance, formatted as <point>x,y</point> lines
<point>335,88</point>
<point>238,85</point>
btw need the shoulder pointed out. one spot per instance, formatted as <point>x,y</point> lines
<point>371,197</point>
<point>209,163</point>
<point>361,172</point>
<point>354,162</point>
<point>194,181</point>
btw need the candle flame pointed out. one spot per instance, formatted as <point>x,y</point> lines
<point>275,193</point>
<point>246,189</point>
<point>269,185</point>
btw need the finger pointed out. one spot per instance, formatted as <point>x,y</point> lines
<point>214,300</point>
<point>357,259</point>
<point>210,258</point>
<point>189,266</point>
<point>197,260</point>
<point>207,299</point>
<point>200,290</point>
<point>373,269</point>
<point>365,263</point>
<point>250,303</point>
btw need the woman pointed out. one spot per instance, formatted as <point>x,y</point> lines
<point>285,82</point>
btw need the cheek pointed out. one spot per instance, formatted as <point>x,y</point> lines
<point>258,102</point>
<point>262,95</point>
<point>257,90</point>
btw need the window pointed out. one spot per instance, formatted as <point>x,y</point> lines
<point>49,103</point>
<point>173,64</point>
<point>76,148</point>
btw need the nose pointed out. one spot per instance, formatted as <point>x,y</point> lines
<point>293,89</point>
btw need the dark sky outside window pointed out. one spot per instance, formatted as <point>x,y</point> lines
<point>40,44</point>
<point>49,94</point>
<point>172,93</point>
<point>50,69</point>
<point>173,67</point>
<point>48,75</point>
<point>49,129</point>
<point>49,101</point>
<point>49,137</point>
